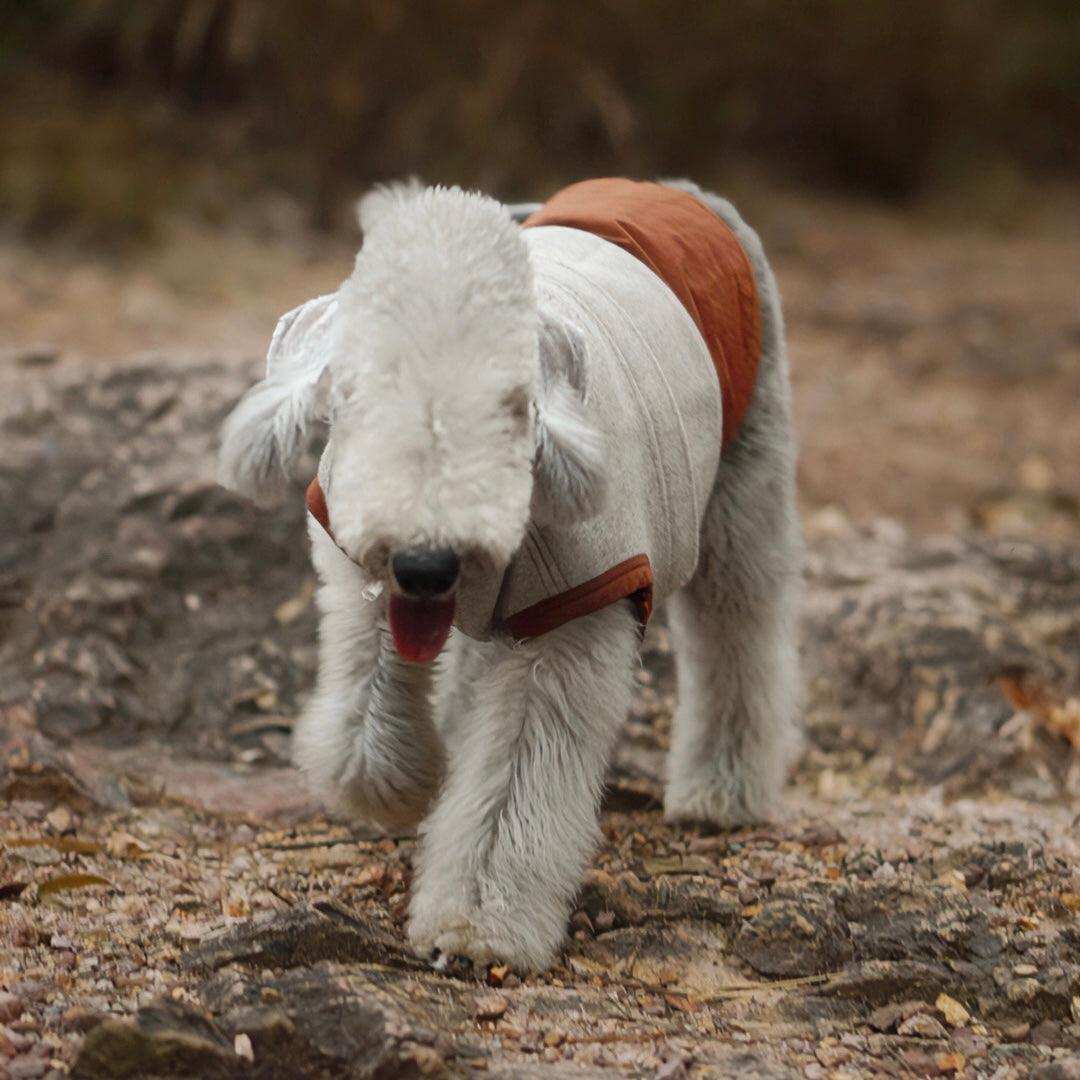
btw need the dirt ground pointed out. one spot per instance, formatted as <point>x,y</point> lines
<point>173,904</point>
<point>952,350</point>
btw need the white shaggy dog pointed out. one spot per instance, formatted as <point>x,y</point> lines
<point>483,453</point>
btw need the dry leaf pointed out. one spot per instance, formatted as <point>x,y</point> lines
<point>1064,720</point>
<point>679,864</point>
<point>722,993</point>
<point>1061,720</point>
<point>955,1014</point>
<point>951,1063</point>
<point>293,608</point>
<point>68,882</point>
<point>70,844</point>
<point>122,845</point>
<point>259,725</point>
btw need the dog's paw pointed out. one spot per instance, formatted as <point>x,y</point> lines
<point>474,939</point>
<point>722,802</point>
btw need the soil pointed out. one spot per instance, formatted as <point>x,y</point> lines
<point>172,902</point>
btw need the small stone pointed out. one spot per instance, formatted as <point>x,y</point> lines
<point>1048,1033</point>
<point>60,819</point>
<point>27,1067</point>
<point>1016,1032</point>
<point>39,855</point>
<point>242,1047</point>
<point>490,1006</point>
<point>922,1026</point>
<point>554,1038</point>
<point>1022,991</point>
<point>887,1017</point>
<point>919,1062</point>
<point>16,1041</point>
<point>832,1056</point>
<point>428,1060</point>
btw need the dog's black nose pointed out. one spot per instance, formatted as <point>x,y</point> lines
<point>426,571</point>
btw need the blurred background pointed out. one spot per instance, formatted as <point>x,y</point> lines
<point>175,173</point>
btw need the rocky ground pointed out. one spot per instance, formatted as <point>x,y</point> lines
<point>172,904</point>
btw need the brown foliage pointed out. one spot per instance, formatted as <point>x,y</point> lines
<point>515,97</point>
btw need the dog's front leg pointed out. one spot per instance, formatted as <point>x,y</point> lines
<point>367,740</point>
<point>508,841</point>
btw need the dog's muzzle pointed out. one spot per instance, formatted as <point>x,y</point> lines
<point>421,607</point>
<point>422,592</point>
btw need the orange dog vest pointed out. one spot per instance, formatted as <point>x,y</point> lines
<point>694,253</point>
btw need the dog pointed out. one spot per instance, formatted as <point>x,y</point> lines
<point>540,421</point>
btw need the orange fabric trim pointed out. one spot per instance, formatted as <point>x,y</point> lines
<point>694,252</point>
<point>316,504</point>
<point>631,578</point>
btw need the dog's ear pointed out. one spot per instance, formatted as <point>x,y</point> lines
<point>266,432</point>
<point>571,473</point>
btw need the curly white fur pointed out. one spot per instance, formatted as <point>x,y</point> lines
<point>455,419</point>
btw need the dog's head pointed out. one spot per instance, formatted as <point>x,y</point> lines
<point>455,404</point>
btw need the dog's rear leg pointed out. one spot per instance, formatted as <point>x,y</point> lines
<point>734,630</point>
<point>367,740</point>
<point>735,623</point>
<point>505,848</point>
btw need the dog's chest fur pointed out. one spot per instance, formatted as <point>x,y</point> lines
<point>653,393</point>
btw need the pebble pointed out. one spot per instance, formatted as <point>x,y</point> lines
<point>242,1047</point>
<point>15,1040</point>
<point>60,819</point>
<point>922,1026</point>
<point>1016,1032</point>
<point>428,1061</point>
<point>27,1067</point>
<point>1022,991</point>
<point>11,1007</point>
<point>490,1006</point>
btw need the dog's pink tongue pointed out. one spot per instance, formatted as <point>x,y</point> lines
<point>420,627</point>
